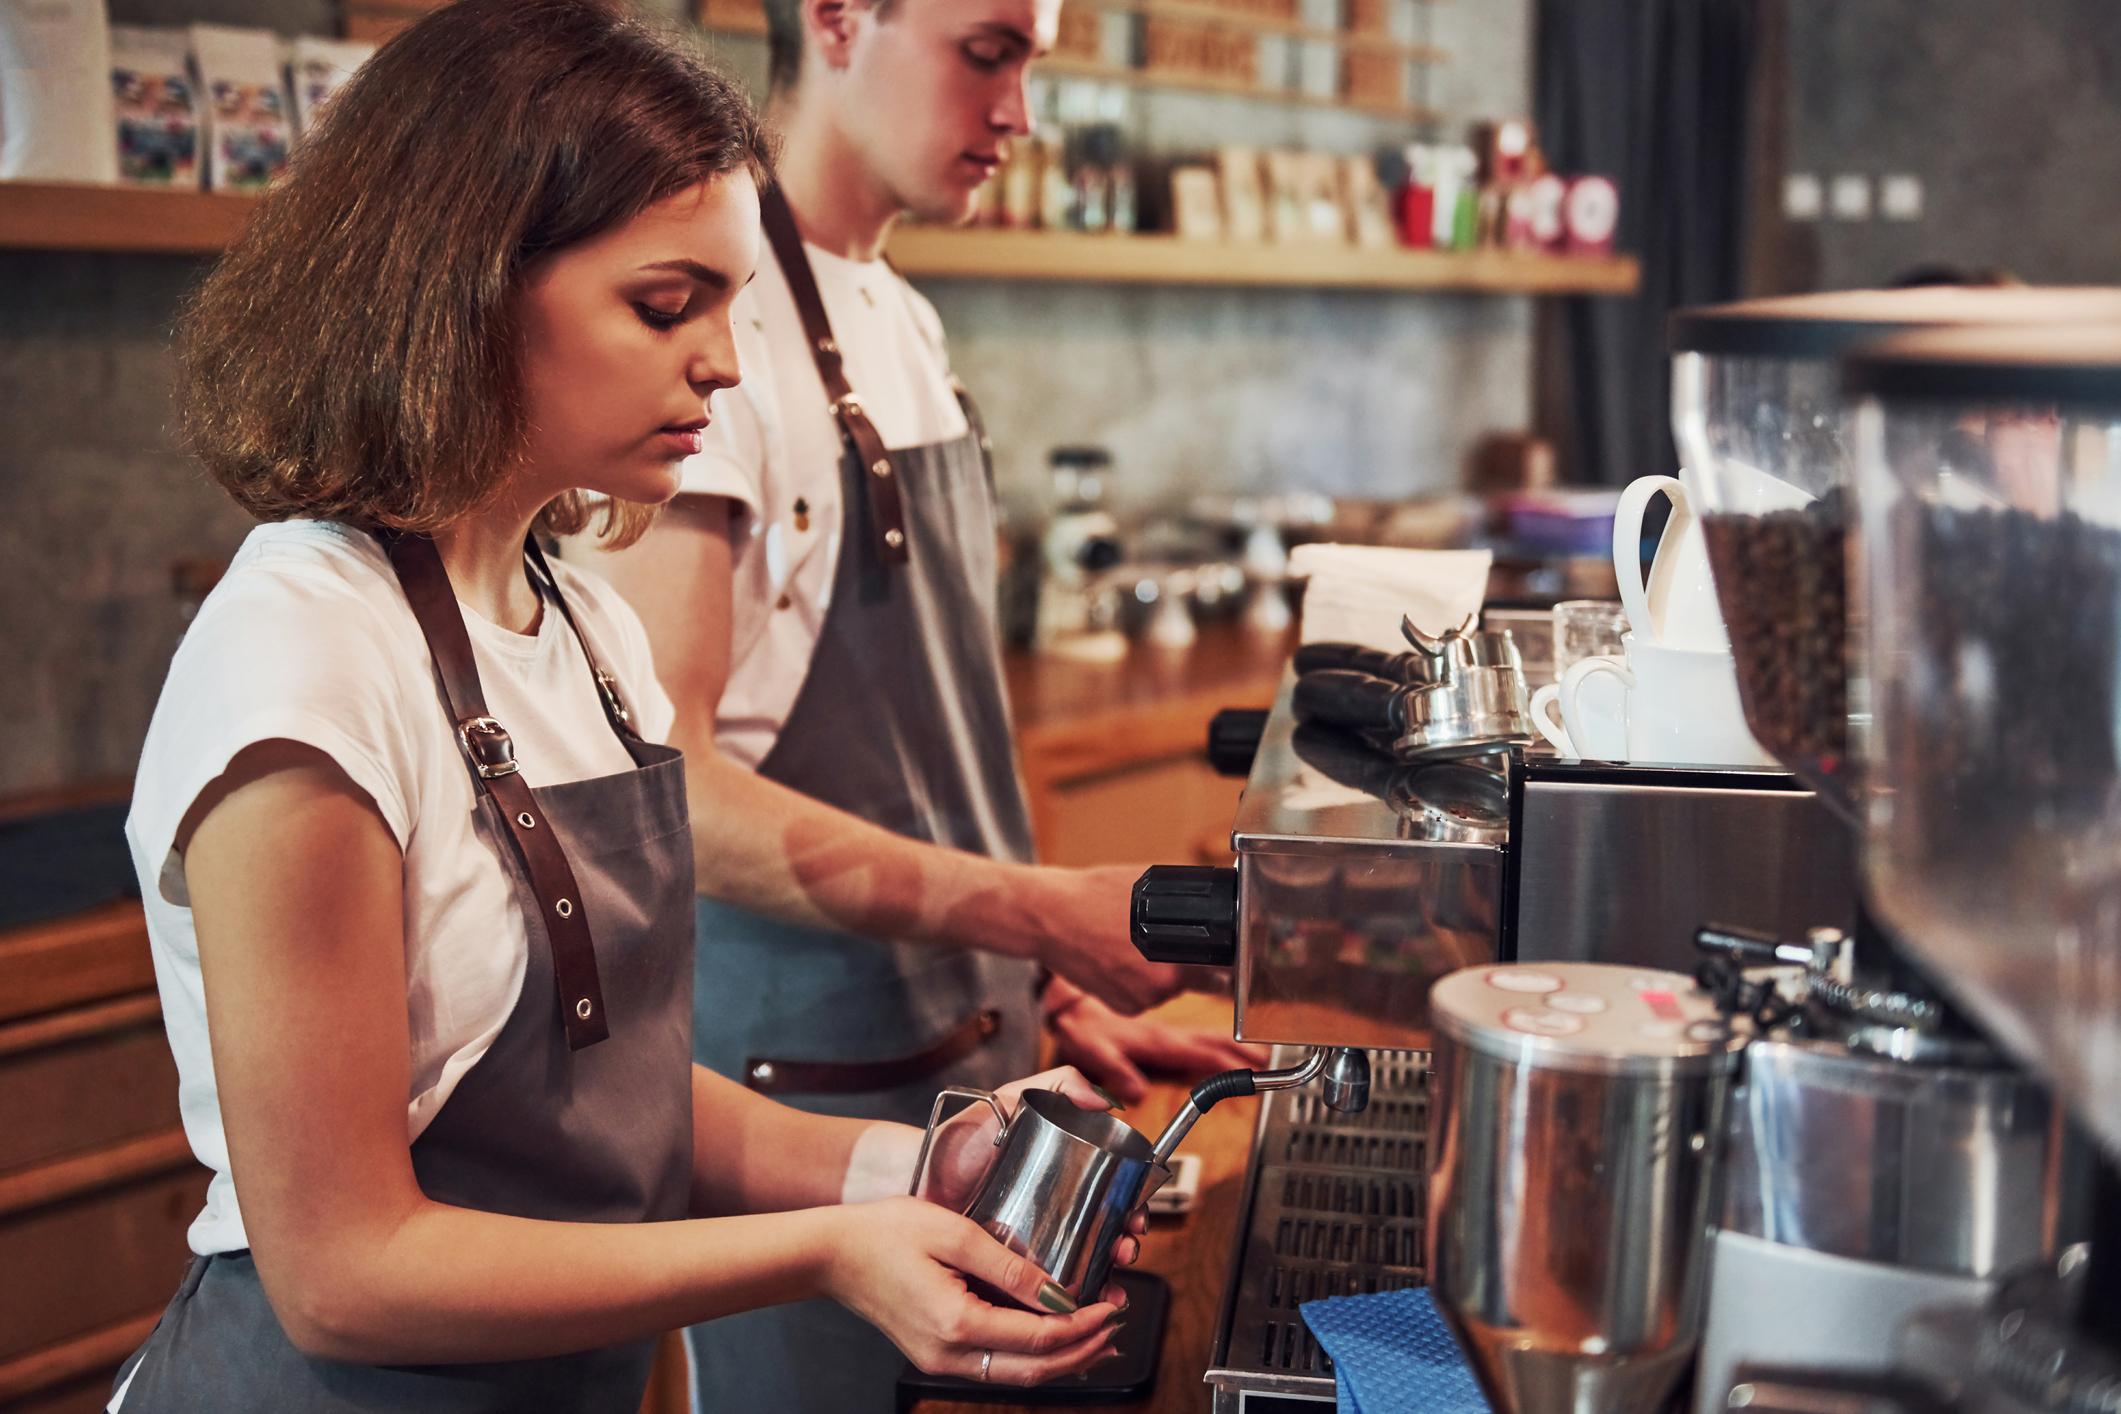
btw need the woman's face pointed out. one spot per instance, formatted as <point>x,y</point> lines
<point>626,336</point>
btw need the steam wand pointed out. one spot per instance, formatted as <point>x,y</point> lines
<point>1346,1089</point>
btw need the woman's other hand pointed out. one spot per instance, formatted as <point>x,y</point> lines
<point>902,1264</point>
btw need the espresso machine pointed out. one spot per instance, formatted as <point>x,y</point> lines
<point>1360,881</point>
<point>1989,532</point>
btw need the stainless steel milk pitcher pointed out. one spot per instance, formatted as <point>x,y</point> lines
<point>1066,1179</point>
<point>1061,1187</point>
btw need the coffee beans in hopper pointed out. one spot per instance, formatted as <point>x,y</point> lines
<point>1781,581</point>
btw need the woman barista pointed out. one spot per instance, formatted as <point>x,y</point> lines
<point>418,878</point>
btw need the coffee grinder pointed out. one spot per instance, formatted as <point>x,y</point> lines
<point>1883,1157</point>
<point>1990,495</point>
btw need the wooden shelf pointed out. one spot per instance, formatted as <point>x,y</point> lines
<point>127,220</point>
<point>937,253</point>
<point>1062,67</point>
<point>1195,12</point>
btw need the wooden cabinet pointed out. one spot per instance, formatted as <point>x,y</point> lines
<point>97,1184</point>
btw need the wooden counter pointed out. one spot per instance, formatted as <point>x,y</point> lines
<point>1113,753</point>
<point>1191,1252</point>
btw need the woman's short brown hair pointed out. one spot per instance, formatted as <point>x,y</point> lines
<point>354,355</point>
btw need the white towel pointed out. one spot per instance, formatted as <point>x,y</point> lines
<point>1358,593</point>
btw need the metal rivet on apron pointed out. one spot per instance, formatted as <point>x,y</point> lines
<point>881,467</point>
<point>582,1008</point>
<point>527,820</point>
<point>762,1073</point>
<point>565,908</point>
<point>894,538</point>
<point>826,346</point>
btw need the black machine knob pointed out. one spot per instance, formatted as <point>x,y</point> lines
<point>1186,913</point>
<point>1233,739</point>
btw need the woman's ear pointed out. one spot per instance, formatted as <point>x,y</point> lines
<point>829,28</point>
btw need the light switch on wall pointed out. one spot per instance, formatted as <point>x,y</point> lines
<point>1803,198</point>
<point>1900,196</point>
<point>1850,197</point>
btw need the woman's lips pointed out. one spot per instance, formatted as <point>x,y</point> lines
<point>685,440</point>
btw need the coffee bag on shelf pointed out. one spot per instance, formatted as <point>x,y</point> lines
<point>55,113</point>
<point>248,128</point>
<point>156,106</point>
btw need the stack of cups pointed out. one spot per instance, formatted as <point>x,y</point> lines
<point>1670,694</point>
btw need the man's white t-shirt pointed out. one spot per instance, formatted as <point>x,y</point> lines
<point>309,638</point>
<point>775,448</point>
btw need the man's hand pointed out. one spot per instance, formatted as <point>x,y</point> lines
<point>1119,1052</point>
<point>1081,919</point>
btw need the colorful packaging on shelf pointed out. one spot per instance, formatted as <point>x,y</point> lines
<point>157,109</point>
<point>1591,212</point>
<point>248,130</point>
<point>55,113</point>
<point>319,68</point>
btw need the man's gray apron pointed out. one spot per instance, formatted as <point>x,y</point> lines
<point>903,721</point>
<point>536,1129</point>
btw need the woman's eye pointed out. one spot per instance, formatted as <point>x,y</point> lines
<point>658,319</point>
<point>986,55</point>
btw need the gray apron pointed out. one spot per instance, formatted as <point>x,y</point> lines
<point>902,720</point>
<point>548,1124</point>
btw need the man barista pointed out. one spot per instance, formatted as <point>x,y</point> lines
<point>820,600</point>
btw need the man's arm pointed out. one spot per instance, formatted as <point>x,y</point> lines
<point>774,851</point>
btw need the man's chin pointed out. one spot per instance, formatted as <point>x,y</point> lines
<point>946,206</point>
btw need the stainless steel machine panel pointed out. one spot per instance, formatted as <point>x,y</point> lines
<point>1336,1206</point>
<point>1359,884</point>
<point>1625,872</point>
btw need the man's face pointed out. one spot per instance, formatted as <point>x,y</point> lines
<point>934,90</point>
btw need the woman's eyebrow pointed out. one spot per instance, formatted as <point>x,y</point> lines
<point>705,274</point>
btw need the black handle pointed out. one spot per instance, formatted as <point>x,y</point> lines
<point>1186,913</point>
<point>1744,946</point>
<point>1353,657</point>
<point>1226,1086</point>
<point>1351,701</point>
<point>1233,739</point>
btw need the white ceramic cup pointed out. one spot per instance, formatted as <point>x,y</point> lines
<point>1674,606</point>
<point>1680,706</point>
<point>1600,723</point>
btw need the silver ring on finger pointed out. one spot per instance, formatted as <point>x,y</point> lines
<point>986,1365</point>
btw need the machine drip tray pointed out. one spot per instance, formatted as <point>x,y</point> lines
<point>1335,1205</point>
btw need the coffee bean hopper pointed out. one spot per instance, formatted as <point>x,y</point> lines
<point>1886,1156</point>
<point>1990,495</point>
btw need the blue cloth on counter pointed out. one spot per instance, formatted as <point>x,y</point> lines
<point>1393,1354</point>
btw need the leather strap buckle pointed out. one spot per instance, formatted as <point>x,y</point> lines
<point>613,705</point>
<point>488,747</point>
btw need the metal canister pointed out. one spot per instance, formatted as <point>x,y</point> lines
<point>1576,1114</point>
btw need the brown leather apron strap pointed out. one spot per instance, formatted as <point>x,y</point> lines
<point>880,476</point>
<point>769,1076</point>
<point>491,756</point>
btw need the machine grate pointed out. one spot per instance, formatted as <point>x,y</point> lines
<point>1339,1208</point>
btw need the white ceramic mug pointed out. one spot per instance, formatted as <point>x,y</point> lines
<point>1600,723</point>
<point>1680,706</point>
<point>1675,605</point>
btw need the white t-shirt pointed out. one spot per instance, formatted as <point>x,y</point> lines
<point>775,447</point>
<point>309,638</point>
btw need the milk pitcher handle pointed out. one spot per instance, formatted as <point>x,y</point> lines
<point>935,1114</point>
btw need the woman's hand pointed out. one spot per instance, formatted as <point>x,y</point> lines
<point>902,1263</point>
<point>964,1147</point>
<point>1120,1052</point>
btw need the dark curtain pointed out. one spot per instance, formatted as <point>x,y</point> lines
<point>1657,95</point>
